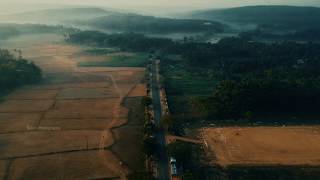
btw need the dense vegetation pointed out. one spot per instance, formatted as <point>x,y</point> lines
<point>233,79</point>
<point>299,35</point>
<point>125,41</point>
<point>149,24</point>
<point>15,72</point>
<point>254,79</point>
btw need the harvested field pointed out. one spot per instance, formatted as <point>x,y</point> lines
<point>25,106</point>
<point>3,165</point>
<point>264,145</point>
<point>43,142</point>
<point>77,124</point>
<point>76,93</point>
<point>75,165</point>
<point>26,94</point>
<point>82,108</point>
<point>62,128</point>
<point>13,122</point>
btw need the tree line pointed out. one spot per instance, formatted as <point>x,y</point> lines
<point>16,71</point>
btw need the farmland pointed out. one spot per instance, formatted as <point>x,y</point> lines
<point>71,125</point>
<point>286,146</point>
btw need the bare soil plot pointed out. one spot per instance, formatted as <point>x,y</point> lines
<point>76,165</point>
<point>25,106</point>
<point>264,145</point>
<point>12,122</point>
<point>42,142</point>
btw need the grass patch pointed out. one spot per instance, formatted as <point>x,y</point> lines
<point>101,51</point>
<point>137,60</point>
<point>184,83</point>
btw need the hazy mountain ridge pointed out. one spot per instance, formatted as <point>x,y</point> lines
<point>141,23</point>
<point>283,16</point>
<point>105,19</point>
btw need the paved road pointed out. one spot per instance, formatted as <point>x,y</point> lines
<point>163,169</point>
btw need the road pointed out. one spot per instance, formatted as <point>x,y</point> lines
<point>163,169</point>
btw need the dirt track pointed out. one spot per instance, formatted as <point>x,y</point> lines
<point>63,127</point>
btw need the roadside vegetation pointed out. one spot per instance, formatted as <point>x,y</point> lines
<point>16,71</point>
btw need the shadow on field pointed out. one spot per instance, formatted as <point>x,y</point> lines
<point>128,143</point>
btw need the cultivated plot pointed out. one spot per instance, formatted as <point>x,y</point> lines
<point>264,145</point>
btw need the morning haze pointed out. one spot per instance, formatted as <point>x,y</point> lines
<point>159,89</point>
<point>150,5</point>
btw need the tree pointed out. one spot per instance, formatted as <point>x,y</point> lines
<point>149,145</point>
<point>146,101</point>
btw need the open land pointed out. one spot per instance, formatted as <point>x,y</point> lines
<point>68,126</point>
<point>288,146</point>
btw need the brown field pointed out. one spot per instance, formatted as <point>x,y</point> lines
<point>43,142</point>
<point>32,94</point>
<point>264,145</point>
<point>25,106</point>
<point>15,122</point>
<point>138,91</point>
<point>63,127</point>
<point>76,165</point>
<point>3,165</point>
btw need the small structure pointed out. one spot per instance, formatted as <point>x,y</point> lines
<point>173,167</point>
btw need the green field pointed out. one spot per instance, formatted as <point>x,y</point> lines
<point>136,60</point>
<point>101,51</point>
<point>182,84</point>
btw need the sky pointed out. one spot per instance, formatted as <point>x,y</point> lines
<point>155,5</point>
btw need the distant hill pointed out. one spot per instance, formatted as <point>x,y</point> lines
<point>277,16</point>
<point>57,15</point>
<point>102,19</point>
<point>140,23</point>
